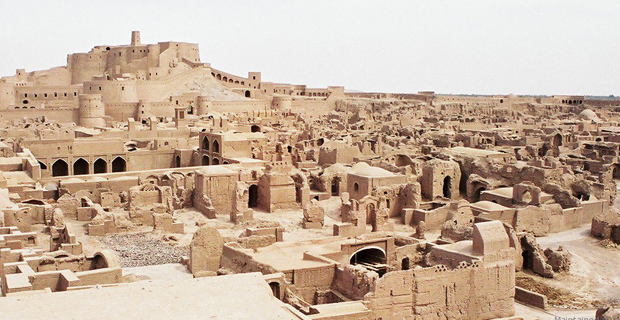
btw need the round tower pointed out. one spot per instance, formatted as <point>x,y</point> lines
<point>204,105</point>
<point>91,111</point>
<point>284,103</point>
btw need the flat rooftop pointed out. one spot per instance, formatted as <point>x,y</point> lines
<point>473,152</point>
<point>232,297</point>
<point>290,255</point>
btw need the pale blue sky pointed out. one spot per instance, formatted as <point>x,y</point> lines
<point>485,47</point>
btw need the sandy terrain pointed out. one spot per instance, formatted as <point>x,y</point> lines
<point>593,279</point>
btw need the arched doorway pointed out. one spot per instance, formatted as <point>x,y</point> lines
<point>215,161</point>
<point>100,166</point>
<point>335,187</point>
<point>205,160</point>
<point>477,193</point>
<point>247,93</point>
<point>177,161</point>
<point>616,171</point>
<point>98,262</point>
<point>447,187</point>
<point>119,165</point>
<point>253,196</point>
<point>557,140</point>
<point>60,168</point>
<point>80,166</point>
<point>372,258</point>
<point>405,264</point>
<point>255,128</point>
<point>42,165</point>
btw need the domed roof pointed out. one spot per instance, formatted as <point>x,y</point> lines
<point>364,169</point>
<point>588,114</point>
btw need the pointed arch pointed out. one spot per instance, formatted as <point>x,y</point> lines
<point>205,143</point>
<point>80,166</point>
<point>100,166</point>
<point>60,168</point>
<point>119,165</point>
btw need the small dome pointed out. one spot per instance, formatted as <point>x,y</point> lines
<point>588,114</point>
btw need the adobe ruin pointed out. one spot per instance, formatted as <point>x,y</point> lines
<point>326,203</point>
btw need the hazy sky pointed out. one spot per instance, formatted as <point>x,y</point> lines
<point>485,46</point>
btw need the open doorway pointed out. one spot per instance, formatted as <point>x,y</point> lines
<point>335,187</point>
<point>60,168</point>
<point>371,258</point>
<point>447,187</point>
<point>80,166</point>
<point>253,196</point>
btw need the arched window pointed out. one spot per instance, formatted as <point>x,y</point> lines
<point>216,146</point>
<point>205,143</point>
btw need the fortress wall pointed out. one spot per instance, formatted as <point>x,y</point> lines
<point>312,106</point>
<point>51,77</point>
<point>239,106</point>
<point>232,80</point>
<point>60,115</point>
<point>113,91</point>
<point>121,111</point>
<point>38,96</point>
<point>162,109</point>
<point>464,99</point>
<point>126,110</point>
<point>602,103</point>
<point>154,59</point>
<point>121,60</point>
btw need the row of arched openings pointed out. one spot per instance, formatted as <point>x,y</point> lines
<point>81,166</point>
<point>215,146</point>
<point>227,79</point>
